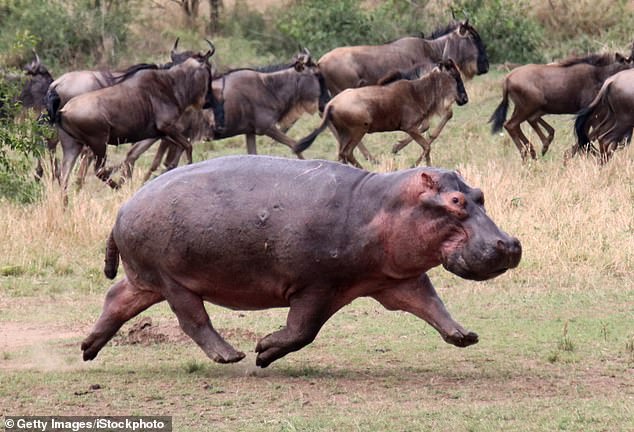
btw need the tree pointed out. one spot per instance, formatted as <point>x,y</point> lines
<point>214,16</point>
<point>190,9</point>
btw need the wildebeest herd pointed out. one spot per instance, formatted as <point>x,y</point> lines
<point>309,235</point>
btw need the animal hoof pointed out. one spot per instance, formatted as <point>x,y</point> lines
<point>462,340</point>
<point>231,358</point>
<point>88,354</point>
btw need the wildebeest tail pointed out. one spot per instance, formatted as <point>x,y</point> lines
<point>581,128</point>
<point>390,78</point>
<point>324,94</point>
<point>499,115</point>
<point>306,142</point>
<point>53,102</point>
<point>112,258</point>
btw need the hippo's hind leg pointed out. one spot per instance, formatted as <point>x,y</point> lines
<point>123,302</point>
<point>419,298</point>
<point>194,320</point>
<point>306,316</point>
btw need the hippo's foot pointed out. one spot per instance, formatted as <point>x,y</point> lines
<point>232,356</point>
<point>461,338</point>
<point>89,348</point>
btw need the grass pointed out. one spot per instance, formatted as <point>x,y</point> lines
<point>556,347</point>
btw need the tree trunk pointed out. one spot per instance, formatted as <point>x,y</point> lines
<point>214,16</point>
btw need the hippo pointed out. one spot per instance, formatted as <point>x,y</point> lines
<point>256,232</point>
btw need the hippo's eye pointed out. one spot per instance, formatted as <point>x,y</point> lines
<point>455,200</point>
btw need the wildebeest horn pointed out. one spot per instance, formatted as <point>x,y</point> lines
<point>212,49</point>
<point>37,58</point>
<point>306,51</point>
<point>453,14</point>
<point>175,44</point>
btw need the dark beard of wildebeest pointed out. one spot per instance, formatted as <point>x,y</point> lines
<point>608,119</point>
<point>75,83</point>
<point>565,87</point>
<point>32,96</point>
<point>357,66</point>
<point>146,105</point>
<point>255,101</point>
<point>400,105</point>
<point>308,235</point>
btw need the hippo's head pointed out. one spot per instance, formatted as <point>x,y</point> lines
<point>470,243</point>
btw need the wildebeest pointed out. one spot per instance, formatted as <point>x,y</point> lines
<point>357,66</point>
<point>75,83</point>
<point>557,88</point>
<point>609,118</point>
<point>146,105</point>
<point>257,232</point>
<point>401,105</point>
<point>262,101</point>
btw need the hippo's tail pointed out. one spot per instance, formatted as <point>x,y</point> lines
<point>499,115</point>
<point>112,258</point>
<point>306,142</point>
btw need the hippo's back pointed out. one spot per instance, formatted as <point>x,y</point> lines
<point>268,213</point>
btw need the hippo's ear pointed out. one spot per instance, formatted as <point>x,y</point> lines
<point>428,182</point>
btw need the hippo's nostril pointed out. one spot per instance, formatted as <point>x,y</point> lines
<point>501,246</point>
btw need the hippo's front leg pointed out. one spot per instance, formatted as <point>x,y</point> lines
<point>419,298</point>
<point>308,312</point>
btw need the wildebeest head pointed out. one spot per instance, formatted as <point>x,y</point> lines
<point>35,67</point>
<point>306,66</point>
<point>450,67</point>
<point>465,46</point>
<point>180,57</point>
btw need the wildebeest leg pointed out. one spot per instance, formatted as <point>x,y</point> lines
<point>400,145</point>
<point>521,142</point>
<point>448,114</point>
<point>366,153</point>
<point>425,145</point>
<point>71,149</point>
<point>251,149</point>
<point>135,152</point>
<point>182,142</point>
<point>346,151</point>
<point>545,139</point>
<point>195,322</point>
<point>419,298</point>
<point>306,316</point>
<point>85,159</point>
<point>123,302</point>
<point>163,146</point>
<point>277,135</point>
<point>172,158</point>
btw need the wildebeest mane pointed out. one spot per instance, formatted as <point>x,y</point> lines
<point>127,73</point>
<point>592,59</point>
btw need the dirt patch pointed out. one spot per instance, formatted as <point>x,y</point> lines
<point>14,335</point>
<point>145,332</point>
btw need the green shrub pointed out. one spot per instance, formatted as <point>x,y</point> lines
<point>19,146</point>
<point>75,32</point>
<point>507,28</point>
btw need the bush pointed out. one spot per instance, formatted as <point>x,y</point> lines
<point>19,146</point>
<point>507,29</point>
<point>76,32</point>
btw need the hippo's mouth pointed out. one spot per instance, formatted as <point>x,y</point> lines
<point>466,273</point>
<point>457,265</point>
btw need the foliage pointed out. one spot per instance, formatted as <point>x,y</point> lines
<point>64,33</point>
<point>507,28</point>
<point>18,147</point>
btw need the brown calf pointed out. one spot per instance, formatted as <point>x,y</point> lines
<point>402,105</point>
